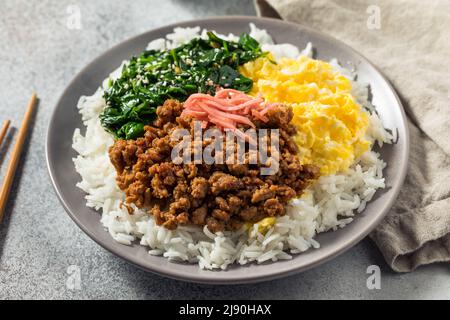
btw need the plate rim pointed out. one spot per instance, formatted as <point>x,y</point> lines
<point>201,278</point>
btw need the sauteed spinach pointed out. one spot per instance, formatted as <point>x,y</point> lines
<point>149,79</point>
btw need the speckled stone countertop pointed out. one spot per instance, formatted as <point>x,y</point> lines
<point>41,249</point>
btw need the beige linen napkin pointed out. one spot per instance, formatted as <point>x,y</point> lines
<point>410,42</point>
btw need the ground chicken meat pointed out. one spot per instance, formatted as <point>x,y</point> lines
<point>264,194</point>
<point>199,215</point>
<point>221,196</point>
<point>200,187</point>
<point>220,182</point>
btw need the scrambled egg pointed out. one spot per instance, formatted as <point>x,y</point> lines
<point>331,125</point>
<point>264,225</point>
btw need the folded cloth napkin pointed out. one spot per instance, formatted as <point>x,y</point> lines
<point>410,41</point>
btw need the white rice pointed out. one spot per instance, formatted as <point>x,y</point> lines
<point>330,203</point>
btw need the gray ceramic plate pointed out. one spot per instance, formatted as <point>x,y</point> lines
<point>65,119</point>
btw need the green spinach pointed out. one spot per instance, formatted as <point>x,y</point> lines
<point>149,79</point>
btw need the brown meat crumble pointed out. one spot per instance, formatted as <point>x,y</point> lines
<point>221,196</point>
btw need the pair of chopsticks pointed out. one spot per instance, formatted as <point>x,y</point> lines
<point>15,156</point>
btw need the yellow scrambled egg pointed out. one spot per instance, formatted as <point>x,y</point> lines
<point>331,125</point>
<point>264,225</point>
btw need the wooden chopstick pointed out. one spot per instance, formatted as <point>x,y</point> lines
<point>3,130</point>
<point>15,156</point>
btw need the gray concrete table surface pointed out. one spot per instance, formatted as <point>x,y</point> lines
<point>38,240</point>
